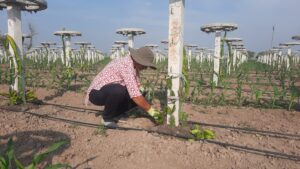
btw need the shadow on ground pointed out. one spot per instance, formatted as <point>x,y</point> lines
<point>29,143</point>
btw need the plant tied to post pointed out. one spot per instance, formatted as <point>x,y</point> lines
<point>17,93</point>
<point>183,92</point>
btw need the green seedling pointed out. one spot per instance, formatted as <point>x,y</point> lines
<point>238,92</point>
<point>7,159</point>
<point>101,130</point>
<point>212,93</point>
<point>172,120</point>
<point>276,95</point>
<point>159,118</point>
<point>295,93</point>
<point>185,77</point>
<point>200,133</point>
<point>15,98</point>
<point>169,111</point>
<point>183,118</point>
<point>258,95</point>
<point>222,98</point>
<point>193,94</point>
<point>253,89</point>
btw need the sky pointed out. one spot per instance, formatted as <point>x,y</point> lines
<point>98,20</point>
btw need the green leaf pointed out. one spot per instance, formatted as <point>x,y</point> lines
<point>16,54</point>
<point>10,41</point>
<point>195,131</point>
<point>202,134</point>
<point>159,118</point>
<point>209,134</point>
<point>183,117</point>
<point>3,163</point>
<point>5,160</point>
<point>170,110</point>
<point>38,158</point>
<point>31,166</point>
<point>9,152</point>
<point>185,77</point>
<point>18,164</point>
<point>173,109</point>
<point>172,120</point>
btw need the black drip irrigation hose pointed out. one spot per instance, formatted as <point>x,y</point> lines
<point>79,109</point>
<point>261,132</point>
<point>227,145</point>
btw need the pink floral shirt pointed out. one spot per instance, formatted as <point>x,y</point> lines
<point>119,71</point>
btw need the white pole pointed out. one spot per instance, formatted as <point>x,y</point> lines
<point>175,52</point>
<point>201,57</point>
<point>15,31</point>
<point>68,50</point>
<point>123,50</point>
<point>130,40</point>
<point>228,64</point>
<point>217,57</point>
<point>280,58</point>
<point>230,59</point>
<point>89,57</point>
<point>289,52</point>
<point>189,58</point>
<point>2,56</point>
<point>62,56</point>
<point>234,59</point>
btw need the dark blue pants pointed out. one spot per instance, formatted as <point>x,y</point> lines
<point>114,98</point>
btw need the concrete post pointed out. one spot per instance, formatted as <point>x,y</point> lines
<point>123,50</point>
<point>217,57</point>
<point>130,40</point>
<point>289,55</point>
<point>175,52</point>
<point>15,31</point>
<point>189,59</point>
<point>68,50</point>
<point>201,57</point>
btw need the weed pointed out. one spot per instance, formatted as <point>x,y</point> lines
<point>101,130</point>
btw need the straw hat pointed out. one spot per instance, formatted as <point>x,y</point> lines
<point>143,56</point>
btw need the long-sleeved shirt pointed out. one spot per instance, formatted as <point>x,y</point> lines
<point>119,71</point>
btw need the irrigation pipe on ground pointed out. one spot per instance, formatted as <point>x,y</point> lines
<point>228,145</point>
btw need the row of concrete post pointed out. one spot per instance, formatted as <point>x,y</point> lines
<point>82,55</point>
<point>175,42</point>
<point>279,58</point>
<point>282,55</point>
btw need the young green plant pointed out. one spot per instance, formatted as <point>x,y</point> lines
<point>7,159</point>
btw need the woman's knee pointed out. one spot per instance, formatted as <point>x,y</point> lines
<point>95,97</point>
